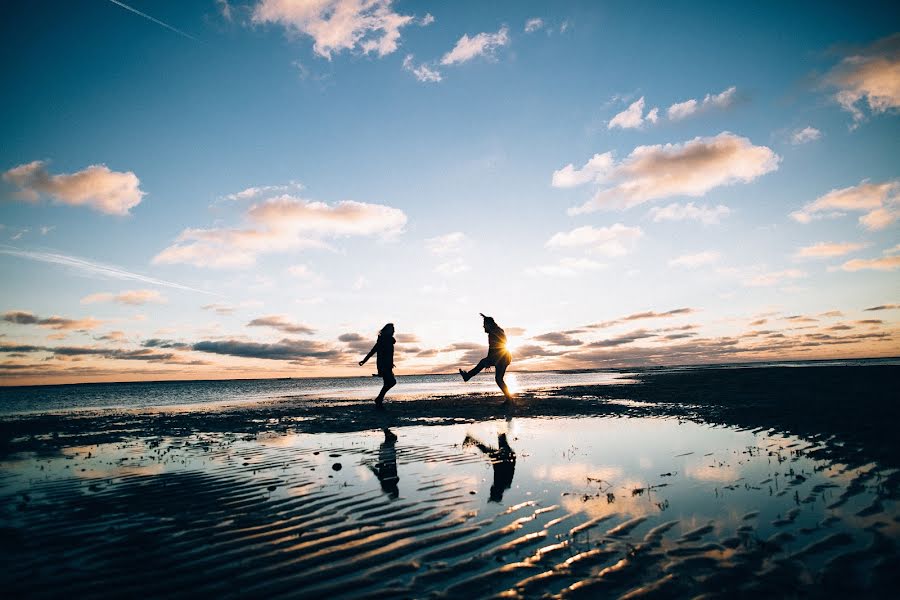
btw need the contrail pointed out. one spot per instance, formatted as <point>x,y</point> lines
<point>101,270</point>
<point>157,21</point>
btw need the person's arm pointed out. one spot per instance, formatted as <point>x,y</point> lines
<point>369,355</point>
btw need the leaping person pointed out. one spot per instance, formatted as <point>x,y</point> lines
<point>498,356</point>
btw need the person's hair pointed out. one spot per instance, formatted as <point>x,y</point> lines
<point>385,329</point>
<point>488,320</point>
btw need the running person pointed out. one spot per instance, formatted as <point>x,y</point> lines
<point>498,356</point>
<point>384,347</point>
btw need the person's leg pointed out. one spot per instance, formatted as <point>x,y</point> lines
<point>389,382</point>
<point>500,371</point>
<point>482,364</point>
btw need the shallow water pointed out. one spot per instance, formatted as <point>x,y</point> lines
<point>156,394</point>
<point>583,507</point>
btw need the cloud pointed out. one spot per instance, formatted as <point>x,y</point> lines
<point>682,110</point>
<point>55,322</point>
<point>595,170</point>
<point>532,25</point>
<point>828,249</point>
<point>338,25</point>
<point>251,193</point>
<point>566,267</point>
<point>870,78</point>
<point>885,263</point>
<point>422,72</point>
<point>280,224</point>
<point>694,261</point>
<point>650,314</point>
<point>689,169</point>
<point>452,266</point>
<point>880,202</point>
<point>132,297</point>
<point>160,343</point>
<point>305,273</point>
<point>447,244</point>
<point>558,338</point>
<point>286,349</point>
<point>93,268</point>
<point>681,212</point>
<point>773,278</point>
<point>97,187</point>
<point>615,240</point>
<point>633,117</point>
<point>626,338</point>
<point>883,307</point>
<point>805,135</point>
<point>281,324</point>
<point>483,44</point>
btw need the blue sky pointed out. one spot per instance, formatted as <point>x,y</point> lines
<point>719,132</point>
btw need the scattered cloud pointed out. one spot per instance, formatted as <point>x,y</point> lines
<point>884,263</point>
<point>299,351</point>
<point>633,117</point>
<point>694,261</point>
<point>252,193</point>
<point>281,224</point>
<point>422,72</point>
<point>532,25</point>
<point>828,249</point>
<point>566,267</point>
<point>447,244</point>
<point>20,317</point>
<point>304,273</point>
<point>132,297</point>
<point>482,44</point>
<point>594,170</point>
<point>337,25</point>
<point>879,201</point>
<point>452,266</point>
<point>97,187</point>
<point>774,278</point>
<point>558,338</point>
<point>689,169</point>
<point>870,78</point>
<point>219,309</point>
<point>805,135</point>
<point>682,110</point>
<point>282,324</point>
<point>650,314</point>
<point>883,307</point>
<point>615,240</point>
<point>681,212</point>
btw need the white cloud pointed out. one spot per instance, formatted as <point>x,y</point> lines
<point>280,224</point>
<point>688,169</point>
<point>483,44</point>
<point>805,135</point>
<point>615,240</point>
<point>305,274</point>
<point>131,297</point>
<point>106,191</point>
<point>871,77</point>
<point>532,25</point>
<point>252,193</point>
<point>633,117</point>
<point>450,243</point>
<point>828,249</point>
<point>774,278</point>
<point>885,263</point>
<point>337,25</point>
<point>566,267</point>
<point>452,267</point>
<point>694,261</point>
<point>680,212</point>
<point>681,110</point>
<point>596,169</point>
<point>880,202</point>
<point>423,72</point>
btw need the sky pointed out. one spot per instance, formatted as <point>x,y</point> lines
<point>224,189</point>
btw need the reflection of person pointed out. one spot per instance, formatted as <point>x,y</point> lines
<point>386,467</point>
<point>498,356</point>
<point>384,347</point>
<point>503,459</point>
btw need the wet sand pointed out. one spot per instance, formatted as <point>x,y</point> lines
<point>775,481</point>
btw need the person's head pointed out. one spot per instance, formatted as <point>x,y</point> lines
<point>489,322</point>
<point>387,330</point>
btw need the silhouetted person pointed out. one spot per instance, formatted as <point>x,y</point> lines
<point>498,356</point>
<point>384,347</point>
<point>503,459</point>
<point>386,467</point>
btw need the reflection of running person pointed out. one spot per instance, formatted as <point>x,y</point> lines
<point>384,347</point>
<point>503,459</point>
<point>386,467</point>
<point>498,356</point>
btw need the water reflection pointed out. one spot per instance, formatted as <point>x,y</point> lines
<point>386,467</point>
<point>503,460</point>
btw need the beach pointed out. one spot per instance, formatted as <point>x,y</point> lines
<point>775,480</point>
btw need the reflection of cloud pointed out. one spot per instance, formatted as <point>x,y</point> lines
<point>577,473</point>
<point>720,474</point>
